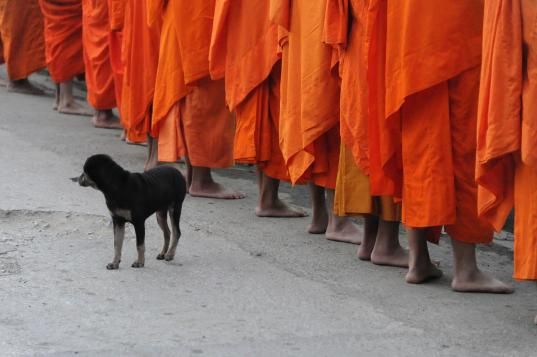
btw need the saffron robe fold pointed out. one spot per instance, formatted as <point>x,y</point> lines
<point>190,115</point>
<point>21,34</point>
<point>345,28</point>
<point>116,14</point>
<point>116,17</point>
<point>423,93</point>
<point>244,50</point>
<point>63,38</point>
<point>353,192</point>
<point>140,59</point>
<point>506,168</point>
<point>96,39</point>
<point>309,111</point>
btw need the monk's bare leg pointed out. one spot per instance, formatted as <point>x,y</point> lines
<point>535,320</point>
<point>319,219</point>
<point>188,174</point>
<point>468,278</point>
<point>341,229</point>
<point>66,103</point>
<point>152,153</point>
<point>420,267</point>
<point>105,119</point>
<point>269,204</point>
<point>203,185</point>
<point>24,86</point>
<point>56,97</point>
<point>387,249</point>
<point>371,228</point>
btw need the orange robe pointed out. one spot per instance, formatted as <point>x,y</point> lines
<point>244,51</point>
<point>140,58</point>
<point>63,38</point>
<point>423,95</point>
<point>309,111</point>
<point>21,33</point>
<point>116,9</point>
<point>96,41</point>
<point>116,14</point>
<point>507,126</point>
<point>190,115</point>
<point>346,29</point>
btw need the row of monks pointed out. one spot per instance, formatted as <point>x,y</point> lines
<point>418,112</point>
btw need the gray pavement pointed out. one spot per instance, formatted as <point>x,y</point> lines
<point>239,286</point>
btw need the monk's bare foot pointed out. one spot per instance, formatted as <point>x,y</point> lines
<point>396,258</point>
<point>24,86</point>
<point>479,282</point>
<point>343,229</point>
<point>535,321</point>
<point>319,222</point>
<point>423,274</point>
<point>74,108</point>
<point>278,209</point>
<point>105,119</point>
<point>214,190</point>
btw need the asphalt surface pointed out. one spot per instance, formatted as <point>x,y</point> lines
<point>239,286</point>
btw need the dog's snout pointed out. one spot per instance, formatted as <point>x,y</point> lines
<point>82,181</point>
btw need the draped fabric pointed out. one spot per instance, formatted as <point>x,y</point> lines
<point>63,38</point>
<point>21,35</point>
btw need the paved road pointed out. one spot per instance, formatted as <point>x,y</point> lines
<point>240,285</point>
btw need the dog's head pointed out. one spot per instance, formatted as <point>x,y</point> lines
<point>85,181</point>
<point>101,173</point>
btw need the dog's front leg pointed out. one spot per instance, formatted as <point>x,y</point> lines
<point>139,228</point>
<point>119,235</point>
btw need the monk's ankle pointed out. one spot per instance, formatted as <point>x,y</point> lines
<point>269,200</point>
<point>319,222</point>
<point>366,248</point>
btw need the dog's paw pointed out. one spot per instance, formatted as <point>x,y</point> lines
<point>168,257</point>
<point>112,266</point>
<point>160,257</point>
<point>137,265</point>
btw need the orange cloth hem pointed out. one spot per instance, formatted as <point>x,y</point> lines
<point>353,194</point>
<point>96,39</point>
<point>63,39</point>
<point>21,33</point>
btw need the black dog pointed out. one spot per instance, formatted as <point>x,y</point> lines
<point>132,197</point>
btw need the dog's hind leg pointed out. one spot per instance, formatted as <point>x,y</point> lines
<point>119,235</point>
<point>175,217</point>
<point>139,228</point>
<point>162,220</point>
